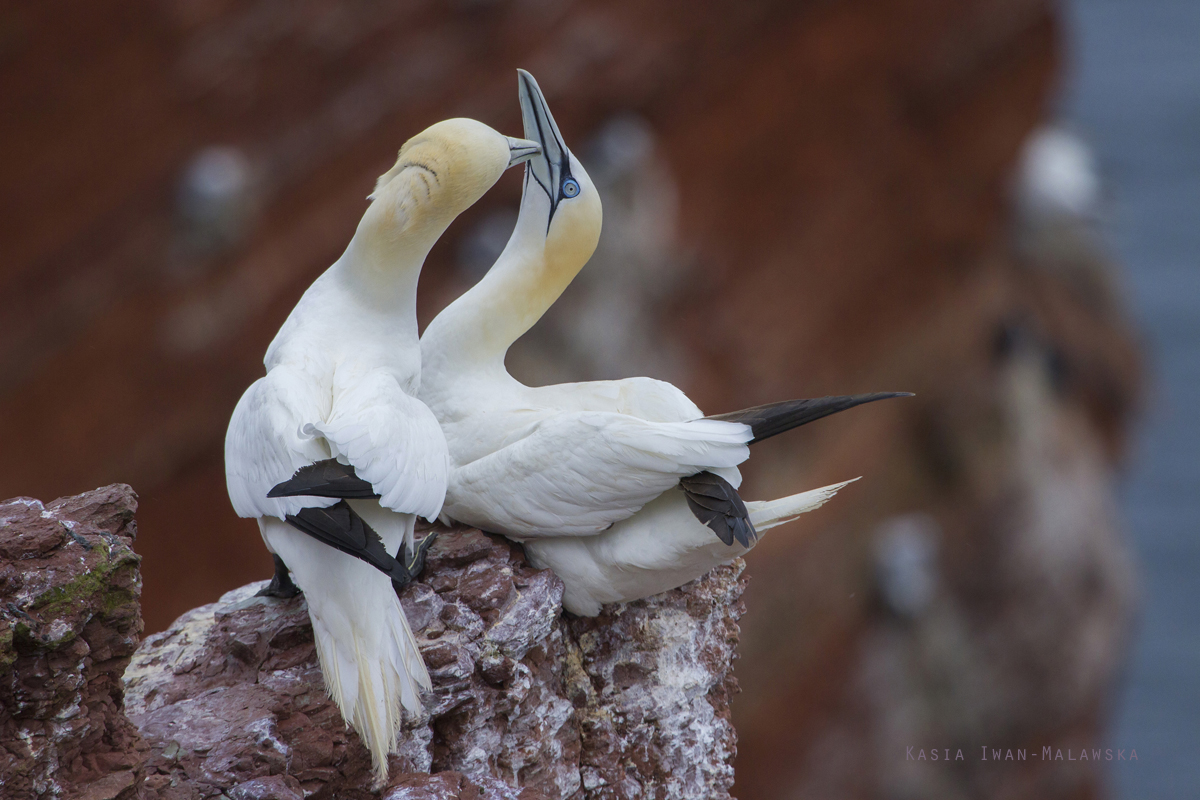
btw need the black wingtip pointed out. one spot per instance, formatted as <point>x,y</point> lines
<point>328,478</point>
<point>340,527</point>
<point>774,418</point>
<point>715,502</point>
<point>744,532</point>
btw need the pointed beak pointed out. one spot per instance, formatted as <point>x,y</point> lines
<point>553,164</point>
<point>521,150</point>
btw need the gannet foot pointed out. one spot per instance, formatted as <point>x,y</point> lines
<point>411,564</point>
<point>281,584</point>
<point>717,504</point>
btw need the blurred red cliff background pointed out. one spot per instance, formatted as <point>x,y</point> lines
<point>801,199</point>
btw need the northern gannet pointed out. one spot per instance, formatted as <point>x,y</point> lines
<point>339,398</point>
<point>618,486</point>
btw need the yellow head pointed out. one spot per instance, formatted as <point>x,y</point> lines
<point>574,229</point>
<point>442,172</point>
<point>556,233</point>
<point>559,202</point>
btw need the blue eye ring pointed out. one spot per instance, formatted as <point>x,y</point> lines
<point>570,187</point>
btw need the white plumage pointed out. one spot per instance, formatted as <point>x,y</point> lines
<point>341,378</point>
<point>585,473</point>
<point>264,445</point>
<point>661,547</point>
<point>392,439</point>
<point>575,465</point>
<point>318,401</point>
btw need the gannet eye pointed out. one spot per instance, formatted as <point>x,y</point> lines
<point>570,188</point>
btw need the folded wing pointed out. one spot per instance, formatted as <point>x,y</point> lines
<point>576,473</point>
<point>392,440</point>
<point>264,443</point>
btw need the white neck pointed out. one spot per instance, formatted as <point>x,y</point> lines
<point>477,329</point>
<point>379,269</point>
<point>365,305</point>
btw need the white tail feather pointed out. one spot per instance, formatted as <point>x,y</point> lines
<point>368,654</point>
<point>766,514</point>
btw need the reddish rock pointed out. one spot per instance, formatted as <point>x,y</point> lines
<point>656,689</point>
<point>526,703</point>
<point>69,622</point>
<point>229,701</point>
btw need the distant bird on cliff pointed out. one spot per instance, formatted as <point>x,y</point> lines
<point>332,452</point>
<point>609,483</point>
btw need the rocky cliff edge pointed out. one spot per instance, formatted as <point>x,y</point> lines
<point>229,703</point>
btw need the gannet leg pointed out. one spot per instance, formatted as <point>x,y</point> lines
<point>281,585</point>
<point>412,564</point>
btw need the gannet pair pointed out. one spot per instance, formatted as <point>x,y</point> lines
<point>623,488</point>
<point>618,486</point>
<point>342,375</point>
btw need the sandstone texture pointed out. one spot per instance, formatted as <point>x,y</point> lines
<point>69,622</point>
<point>229,702</point>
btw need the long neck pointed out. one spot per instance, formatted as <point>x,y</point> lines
<point>479,327</point>
<point>383,261</point>
<point>365,306</point>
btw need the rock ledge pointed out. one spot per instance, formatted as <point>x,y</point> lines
<point>229,702</point>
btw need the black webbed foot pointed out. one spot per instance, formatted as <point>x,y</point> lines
<point>410,565</point>
<point>281,584</point>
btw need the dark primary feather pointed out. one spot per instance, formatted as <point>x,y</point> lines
<point>342,529</point>
<point>339,527</point>
<point>775,418</point>
<point>328,478</point>
<point>717,504</point>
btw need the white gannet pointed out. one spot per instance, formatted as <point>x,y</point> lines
<point>331,451</point>
<point>609,483</point>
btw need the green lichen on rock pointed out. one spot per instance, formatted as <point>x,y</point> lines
<point>68,624</point>
<point>100,588</point>
<point>7,653</point>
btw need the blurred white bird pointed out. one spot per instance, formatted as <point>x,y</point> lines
<point>332,452</point>
<point>1057,177</point>
<point>567,468</point>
